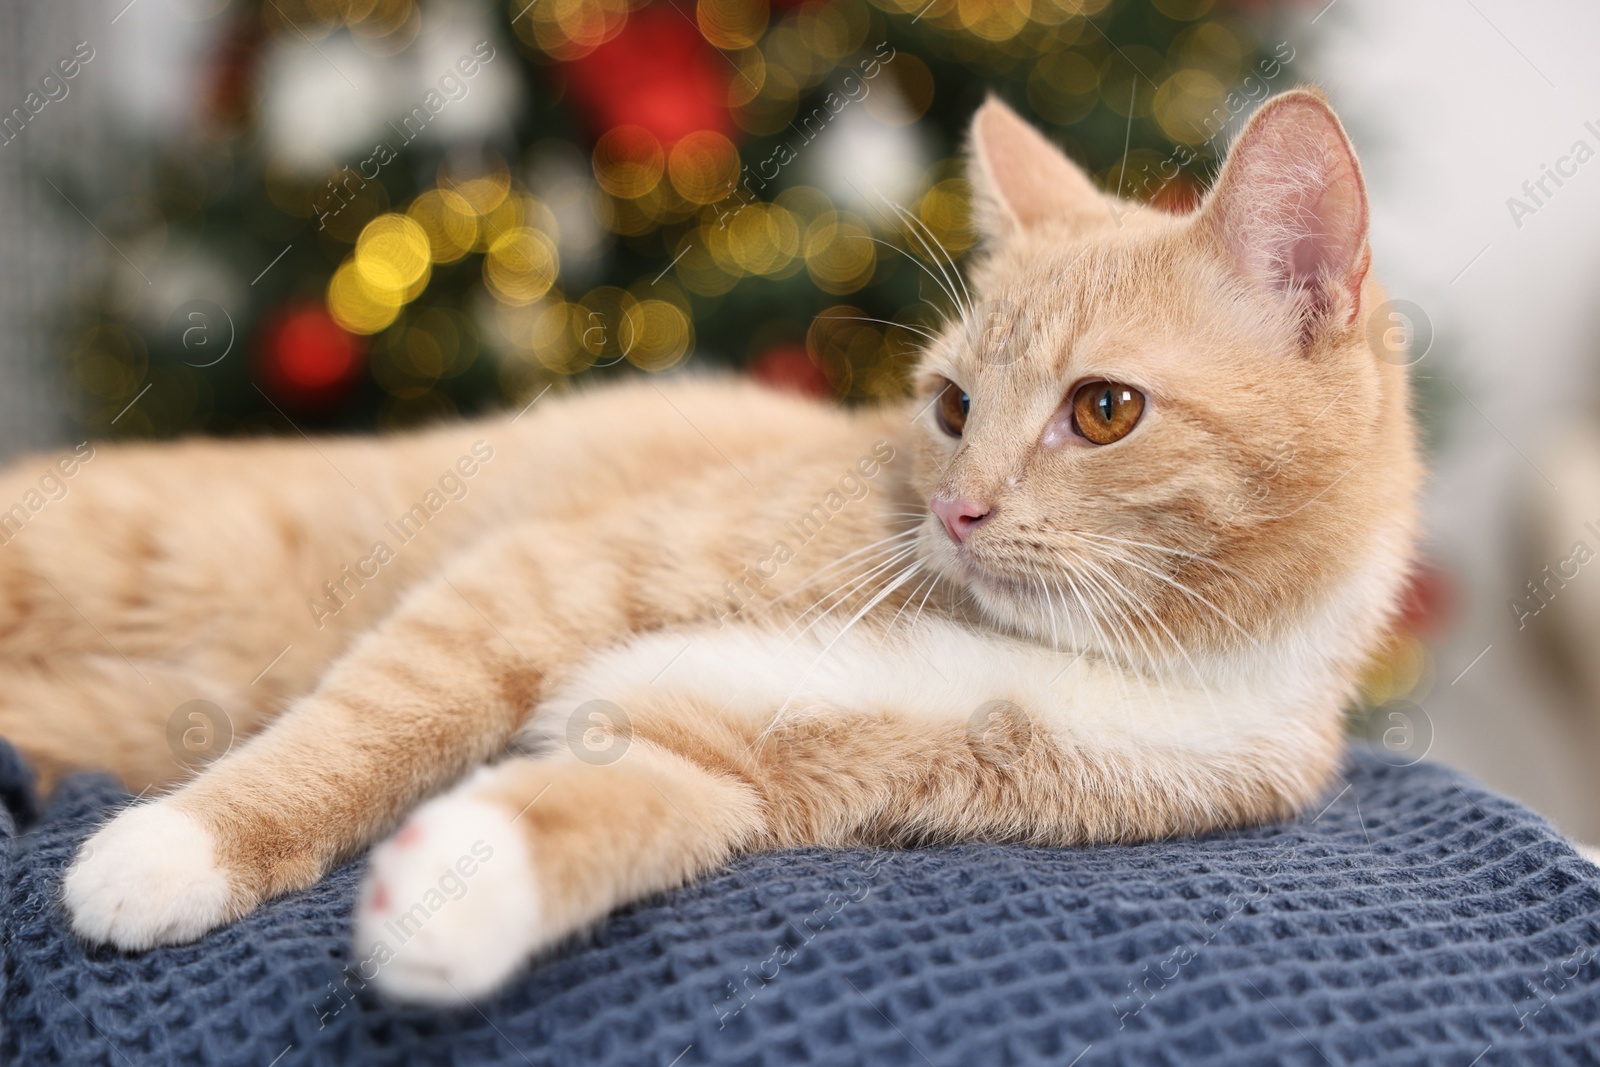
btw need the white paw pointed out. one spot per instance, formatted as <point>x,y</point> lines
<point>148,877</point>
<point>449,909</point>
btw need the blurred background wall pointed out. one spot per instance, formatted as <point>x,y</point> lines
<point>1455,106</point>
<point>37,254</point>
<point>236,217</point>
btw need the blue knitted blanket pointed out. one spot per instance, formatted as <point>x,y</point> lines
<point>1414,919</point>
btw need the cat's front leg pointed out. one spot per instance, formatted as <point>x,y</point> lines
<point>702,753</point>
<point>436,689</point>
<point>529,851</point>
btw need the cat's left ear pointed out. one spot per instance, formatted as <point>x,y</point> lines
<point>1019,179</point>
<point>1289,209</point>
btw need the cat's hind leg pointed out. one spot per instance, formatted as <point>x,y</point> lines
<point>438,687</point>
<point>149,723</point>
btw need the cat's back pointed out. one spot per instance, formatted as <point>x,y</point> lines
<point>161,542</point>
<point>299,503</point>
<point>647,433</point>
<point>628,436</point>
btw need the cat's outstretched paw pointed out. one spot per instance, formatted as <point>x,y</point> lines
<point>450,907</point>
<point>148,877</point>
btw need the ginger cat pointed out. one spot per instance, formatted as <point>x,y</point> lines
<point>1108,576</point>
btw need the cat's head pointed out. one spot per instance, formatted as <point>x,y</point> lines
<point>1164,435</point>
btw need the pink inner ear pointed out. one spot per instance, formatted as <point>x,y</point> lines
<point>1325,256</point>
<point>1291,206</point>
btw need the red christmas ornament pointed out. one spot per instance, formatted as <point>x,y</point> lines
<point>306,360</point>
<point>1428,603</point>
<point>229,74</point>
<point>1179,196</point>
<point>789,368</point>
<point>658,73</point>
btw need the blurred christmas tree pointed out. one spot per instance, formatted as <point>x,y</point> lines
<point>384,212</point>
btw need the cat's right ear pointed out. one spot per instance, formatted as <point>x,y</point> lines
<point>1019,179</point>
<point>1289,209</point>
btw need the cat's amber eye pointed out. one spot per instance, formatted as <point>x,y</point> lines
<point>1104,412</point>
<point>951,409</point>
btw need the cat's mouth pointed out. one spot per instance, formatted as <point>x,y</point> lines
<point>999,581</point>
<point>974,566</point>
<point>976,570</point>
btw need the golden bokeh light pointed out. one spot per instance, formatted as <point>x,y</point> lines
<point>831,31</point>
<point>568,29</point>
<point>840,253</point>
<point>1183,10</point>
<point>645,214</point>
<point>732,24</point>
<point>609,326</point>
<point>946,209</point>
<point>993,20</point>
<point>552,336</point>
<point>1211,46</point>
<point>806,203</point>
<point>388,26</point>
<point>844,346</point>
<point>703,166</point>
<point>606,325</point>
<point>392,254</point>
<point>1187,106</point>
<point>509,214</point>
<point>1064,86</point>
<point>662,335</point>
<point>109,361</point>
<point>482,179</point>
<point>448,220</point>
<point>628,161</point>
<point>1125,78</point>
<point>697,268</point>
<point>1403,667</point>
<point>432,345</point>
<point>1057,12</point>
<point>378,27</point>
<point>520,265</point>
<point>342,214</point>
<point>760,239</point>
<point>356,305</point>
<point>752,75</point>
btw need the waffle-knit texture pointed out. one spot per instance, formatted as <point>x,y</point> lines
<point>1415,919</point>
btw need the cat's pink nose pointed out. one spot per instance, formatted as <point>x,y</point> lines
<point>959,516</point>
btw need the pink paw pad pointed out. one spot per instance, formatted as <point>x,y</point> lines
<point>409,835</point>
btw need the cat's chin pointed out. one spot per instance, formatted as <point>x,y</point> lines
<point>1005,601</point>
